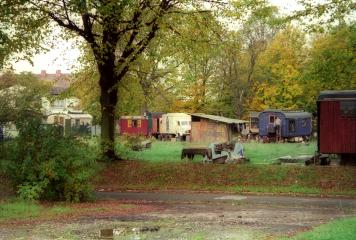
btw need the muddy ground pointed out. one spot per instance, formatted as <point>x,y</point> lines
<point>189,216</point>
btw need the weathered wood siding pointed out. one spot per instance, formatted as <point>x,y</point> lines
<point>210,131</point>
<point>336,133</point>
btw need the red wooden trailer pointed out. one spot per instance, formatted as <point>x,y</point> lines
<point>337,123</point>
<point>133,125</point>
<point>147,125</point>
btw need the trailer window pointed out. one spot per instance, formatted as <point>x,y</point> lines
<point>134,123</point>
<point>254,122</point>
<point>271,119</point>
<point>304,122</point>
<point>185,123</point>
<point>291,125</point>
<point>348,109</point>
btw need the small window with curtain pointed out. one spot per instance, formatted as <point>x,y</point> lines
<point>304,122</point>
<point>135,123</point>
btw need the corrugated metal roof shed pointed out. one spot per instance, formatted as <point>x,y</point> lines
<point>218,118</point>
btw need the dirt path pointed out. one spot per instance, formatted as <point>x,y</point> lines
<point>196,216</point>
<point>189,197</point>
<point>272,214</point>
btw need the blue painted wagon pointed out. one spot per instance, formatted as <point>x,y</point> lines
<point>291,124</point>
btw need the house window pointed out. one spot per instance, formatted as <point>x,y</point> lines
<point>348,109</point>
<point>291,125</point>
<point>61,120</point>
<point>77,122</point>
<point>55,119</point>
<point>271,119</point>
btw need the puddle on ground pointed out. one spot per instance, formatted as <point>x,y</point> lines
<point>232,197</point>
<point>133,233</point>
<point>106,234</point>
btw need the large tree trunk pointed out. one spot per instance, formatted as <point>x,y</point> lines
<point>108,101</point>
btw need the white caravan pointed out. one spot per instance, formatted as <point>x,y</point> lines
<point>177,124</point>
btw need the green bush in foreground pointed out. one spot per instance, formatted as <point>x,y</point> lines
<point>43,164</point>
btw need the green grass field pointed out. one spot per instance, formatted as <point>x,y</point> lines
<point>343,229</point>
<point>20,209</point>
<point>258,153</point>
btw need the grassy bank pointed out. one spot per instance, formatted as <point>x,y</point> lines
<point>258,153</point>
<point>144,175</point>
<point>20,211</point>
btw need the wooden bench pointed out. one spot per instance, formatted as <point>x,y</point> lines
<point>190,152</point>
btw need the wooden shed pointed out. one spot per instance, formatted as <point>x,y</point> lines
<point>337,122</point>
<point>293,123</point>
<point>211,128</point>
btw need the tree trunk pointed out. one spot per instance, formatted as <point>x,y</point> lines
<point>108,101</point>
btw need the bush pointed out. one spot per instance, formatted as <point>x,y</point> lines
<point>43,164</point>
<point>127,143</point>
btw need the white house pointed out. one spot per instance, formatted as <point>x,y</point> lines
<point>58,111</point>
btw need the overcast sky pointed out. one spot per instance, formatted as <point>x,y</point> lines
<point>64,56</point>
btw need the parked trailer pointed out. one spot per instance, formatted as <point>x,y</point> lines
<point>293,124</point>
<point>154,123</point>
<point>146,125</point>
<point>133,125</point>
<point>337,124</point>
<point>175,125</point>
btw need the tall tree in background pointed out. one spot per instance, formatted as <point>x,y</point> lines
<point>243,49</point>
<point>318,15</point>
<point>280,72</point>
<point>117,33</point>
<point>331,63</point>
<point>20,97</point>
